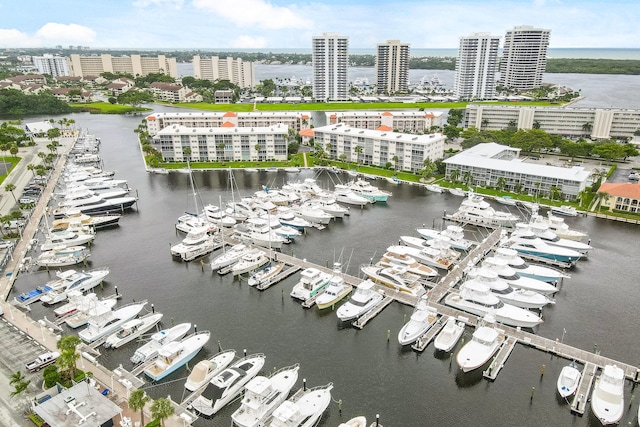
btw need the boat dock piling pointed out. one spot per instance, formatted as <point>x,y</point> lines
<point>580,398</point>
<point>364,319</point>
<point>498,362</point>
<point>423,341</point>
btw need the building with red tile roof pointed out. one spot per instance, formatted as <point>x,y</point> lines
<point>622,196</point>
<point>401,121</point>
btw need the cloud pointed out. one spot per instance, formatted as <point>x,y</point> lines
<point>55,33</point>
<point>175,4</point>
<point>249,42</point>
<point>258,13</point>
<point>14,38</point>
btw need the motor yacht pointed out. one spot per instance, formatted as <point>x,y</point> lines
<point>198,242</point>
<point>513,277</point>
<point>335,291</point>
<point>206,369</point>
<point>398,256</point>
<point>250,261</point>
<point>105,324</point>
<point>476,211</point>
<point>396,277</point>
<point>485,342</point>
<point>364,299</point>
<point>176,354</point>
<point>526,242</point>
<point>228,384</point>
<point>448,337</point>
<point>229,256</point>
<point>421,320</point>
<point>568,380</point>
<point>259,235</point>
<point>132,329</point>
<point>523,298</point>
<point>72,280</point>
<point>365,189</point>
<point>303,411</point>
<point>265,274</point>
<point>150,349</point>
<point>607,399</point>
<point>454,233</point>
<point>62,257</point>
<point>312,281</point>
<point>66,238</point>
<point>525,269</point>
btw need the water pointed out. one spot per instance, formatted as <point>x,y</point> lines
<point>371,376</point>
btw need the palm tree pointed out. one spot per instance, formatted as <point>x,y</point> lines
<point>137,400</point>
<point>395,162</point>
<point>501,183</point>
<point>587,127</point>
<point>454,175</point>
<point>600,196</point>
<point>9,188</point>
<point>467,177</point>
<point>68,354</point>
<point>484,123</point>
<point>161,409</point>
<point>555,192</point>
<point>220,148</point>
<point>258,148</point>
<point>19,383</point>
<point>358,149</point>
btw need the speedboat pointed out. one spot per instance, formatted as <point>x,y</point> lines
<point>505,200</point>
<point>229,256</point>
<point>225,386</point>
<point>197,242</point>
<point>364,299</point>
<point>66,238</point>
<point>564,210</point>
<point>434,188</point>
<point>335,291</point>
<point>206,369</point>
<point>421,320</point>
<point>483,345</point>
<point>313,214</point>
<point>449,335</point>
<point>525,269</point>
<point>512,276</point>
<point>348,197</point>
<point>607,399</point>
<point>476,298</point>
<point>252,260</point>
<point>72,280</point>
<point>132,329</point>
<point>304,411</point>
<point>359,421</point>
<point>568,380</point>
<point>263,395</point>
<point>526,242</point>
<point>175,354</point>
<point>63,257</point>
<point>108,322</point>
<point>476,211</point>
<point>397,255</point>
<point>457,192</point>
<point>265,274</point>
<point>312,281</point>
<point>395,277</point>
<point>289,219</point>
<point>329,205</point>
<point>98,206</point>
<point>455,233</point>
<point>519,297</point>
<point>150,349</point>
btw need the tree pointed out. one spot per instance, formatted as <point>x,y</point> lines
<point>454,175</point>
<point>513,125</point>
<point>600,196</point>
<point>220,146</point>
<point>484,123</point>
<point>68,354</point>
<point>53,133</point>
<point>451,132</point>
<point>258,149</point>
<point>19,383</point>
<point>536,124</point>
<point>358,149</point>
<point>9,188</point>
<point>161,409</point>
<point>555,192</point>
<point>455,116</point>
<point>609,151</point>
<point>134,98</point>
<point>518,187</point>
<point>501,183</point>
<point>587,127</point>
<point>395,162</point>
<point>343,157</point>
<point>137,400</point>
<point>467,177</point>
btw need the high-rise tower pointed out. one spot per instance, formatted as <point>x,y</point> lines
<point>524,57</point>
<point>392,67</point>
<point>330,57</point>
<point>476,66</point>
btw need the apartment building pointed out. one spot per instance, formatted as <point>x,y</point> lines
<point>476,66</point>
<point>135,65</point>
<point>237,71</point>
<point>487,163</point>
<point>222,143</point>
<point>295,120</point>
<point>330,59</point>
<point>379,147</point>
<point>571,122</point>
<point>524,57</point>
<point>392,67</point>
<point>400,121</point>
<point>55,66</point>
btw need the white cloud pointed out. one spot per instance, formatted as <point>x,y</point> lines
<point>55,33</point>
<point>175,4</point>
<point>15,38</point>
<point>249,42</point>
<point>259,13</point>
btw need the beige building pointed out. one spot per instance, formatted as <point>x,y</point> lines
<point>237,71</point>
<point>621,196</point>
<point>380,147</point>
<point>591,122</point>
<point>392,67</point>
<point>295,120</point>
<point>524,57</point>
<point>135,65</point>
<point>401,121</point>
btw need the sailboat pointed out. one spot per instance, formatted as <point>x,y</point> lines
<point>190,220</point>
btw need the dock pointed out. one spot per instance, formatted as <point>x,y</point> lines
<point>279,277</point>
<point>499,360</point>
<point>364,319</point>
<point>423,341</point>
<point>580,399</point>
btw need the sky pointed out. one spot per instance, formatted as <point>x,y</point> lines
<point>280,24</point>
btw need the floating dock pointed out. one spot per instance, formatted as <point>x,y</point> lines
<point>365,318</point>
<point>580,399</point>
<point>423,341</point>
<point>498,362</point>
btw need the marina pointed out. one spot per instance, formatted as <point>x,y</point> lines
<point>318,251</point>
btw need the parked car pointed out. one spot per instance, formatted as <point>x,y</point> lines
<point>26,201</point>
<point>43,360</point>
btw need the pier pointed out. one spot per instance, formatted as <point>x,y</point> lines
<point>423,341</point>
<point>580,399</point>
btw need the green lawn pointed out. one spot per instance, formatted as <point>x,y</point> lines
<point>106,108</point>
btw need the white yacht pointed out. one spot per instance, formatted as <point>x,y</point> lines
<point>225,386</point>
<point>77,218</point>
<point>476,211</point>
<point>330,206</point>
<point>252,260</point>
<point>525,269</point>
<point>449,335</point>
<point>58,290</point>
<point>304,411</point>
<point>526,242</point>
<point>523,298</point>
<point>312,281</point>
<point>455,233</point>
<point>607,399</point>
<point>259,235</point>
<point>265,274</point>
<point>477,298</point>
<point>106,323</point>
<point>364,299</point>
<point>432,255</point>
<point>288,218</point>
<point>198,242</point>
<point>62,257</point>
<point>565,210</point>
<point>89,309</point>
<point>363,188</point>
<point>398,256</point>
<point>513,277</point>
<point>348,197</point>
<point>335,291</point>
<point>560,227</point>
<point>217,216</point>
<point>132,329</point>
<point>175,354</point>
<point>549,236</point>
<point>434,188</point>
<point>229,256</point>
<point>421,320</point>
<point>150,349</point>
<point>313,214</point>
<point>568,380</point>
<point>206,369</point>
<point>66,238</point>
<point>79,301</point>
<point>396,277</point>
<point>483,345</point>
<point>262,395</point>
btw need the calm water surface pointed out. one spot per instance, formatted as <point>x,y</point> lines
<point>597,306</point>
